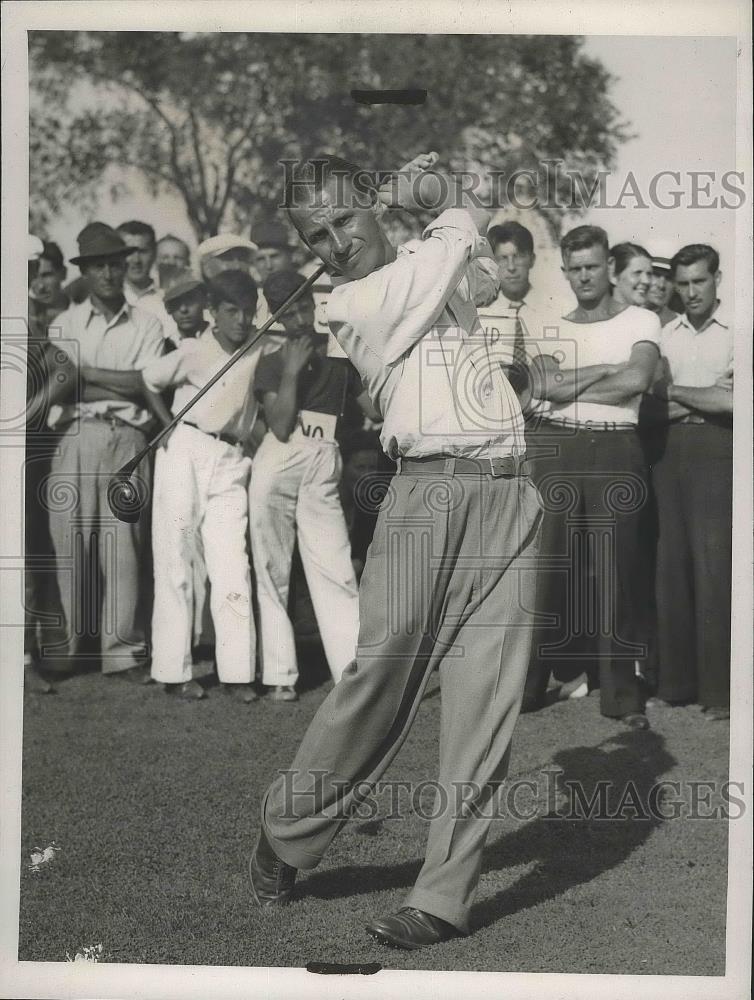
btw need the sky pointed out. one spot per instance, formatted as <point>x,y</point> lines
<point>677,93</point>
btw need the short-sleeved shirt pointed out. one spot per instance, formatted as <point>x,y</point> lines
<point>606,342</point>
<point>128,341</point>
<point>323,387</point>
<point>699,358</point>
<point>229,406</point>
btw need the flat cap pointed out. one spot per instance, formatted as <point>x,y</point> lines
<point>217,245</point>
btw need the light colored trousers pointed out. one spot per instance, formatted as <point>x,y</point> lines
<point>294,494</point>
<point>449,582</point>
<point>99,561</point>
<point>200,487</point>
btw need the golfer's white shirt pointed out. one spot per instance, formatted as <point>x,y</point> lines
<point>412,331</point>
<point>229,406</point>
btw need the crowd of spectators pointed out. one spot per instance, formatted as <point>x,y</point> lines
<point>271,485</point>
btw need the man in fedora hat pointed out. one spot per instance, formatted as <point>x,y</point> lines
<point>186,302</point>
<point>102,423</point>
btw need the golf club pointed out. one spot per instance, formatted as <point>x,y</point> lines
<point>126,498</point>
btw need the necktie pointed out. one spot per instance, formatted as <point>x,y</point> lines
<point>518,374</point>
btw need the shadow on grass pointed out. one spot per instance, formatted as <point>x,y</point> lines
<point>564,851</point>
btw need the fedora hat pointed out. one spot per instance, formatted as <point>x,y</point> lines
<point>99,240</point>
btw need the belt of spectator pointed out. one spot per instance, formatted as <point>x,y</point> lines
<point>505,466</point>
<point>217,435</point>
<point>111,419</point>
<point>592,425</point>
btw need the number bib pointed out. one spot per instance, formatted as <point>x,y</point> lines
<point>314,426</point>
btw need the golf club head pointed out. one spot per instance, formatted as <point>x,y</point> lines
<point>126,497</point>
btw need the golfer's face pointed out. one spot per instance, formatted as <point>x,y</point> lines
<point>342,229</point>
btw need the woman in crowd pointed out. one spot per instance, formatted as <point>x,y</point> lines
<point>630,274</point>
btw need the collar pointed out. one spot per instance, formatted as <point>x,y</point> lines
<point>91,310</point>
<point>718,318</point>
<point>134,294</point>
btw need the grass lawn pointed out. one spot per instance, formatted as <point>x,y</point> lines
<point>154,802</point>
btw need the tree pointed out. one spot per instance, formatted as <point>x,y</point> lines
<point>212,115</point>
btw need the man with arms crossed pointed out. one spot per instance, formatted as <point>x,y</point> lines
<point>589,466</point>
<point>449,575</point>
<point>693,480</point>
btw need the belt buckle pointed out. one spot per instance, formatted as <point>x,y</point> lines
<point>500,466</point>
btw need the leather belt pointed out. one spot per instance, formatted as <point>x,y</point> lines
<point>507,466</point>
<point>592,425</point>
<point>111,420</point>
<point>218,436</point>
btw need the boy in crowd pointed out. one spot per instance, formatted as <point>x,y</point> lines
<point>185,302</point>
<point>201,479</point>
<point>294,491</point>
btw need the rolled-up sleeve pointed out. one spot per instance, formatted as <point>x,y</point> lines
<point>152,343</point>
<point>394,307</point>
<point>169,369</point>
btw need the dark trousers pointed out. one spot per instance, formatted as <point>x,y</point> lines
<point>693,481</point>
<point>591,603</point>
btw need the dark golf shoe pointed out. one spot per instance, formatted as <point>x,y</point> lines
<point>271,879</point>
<point>410,928</point>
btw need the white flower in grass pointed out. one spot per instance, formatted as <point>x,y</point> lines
<point>42,856</point>
<point>89,953</point>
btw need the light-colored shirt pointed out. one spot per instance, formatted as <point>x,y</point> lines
<point>151,300</point>
<point>412,331</point>
<point>537,314</point>
<point>229,407</point>
<point>127,342</point>
<point>606,342</point>
<point>540,320</point>
<point>699,357</point>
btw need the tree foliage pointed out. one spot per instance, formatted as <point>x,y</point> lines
<point>211,115</point>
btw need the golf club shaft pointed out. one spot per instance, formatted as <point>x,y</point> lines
<point>129,467</point>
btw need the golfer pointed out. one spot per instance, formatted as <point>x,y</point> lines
<point>449,577</point>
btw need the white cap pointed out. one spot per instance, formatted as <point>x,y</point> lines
<point>34,247</point>
<point>217,245</point>
<point>663,252</point>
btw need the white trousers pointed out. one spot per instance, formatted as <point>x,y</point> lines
<point>200,487</point>
<point>294,493</point>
